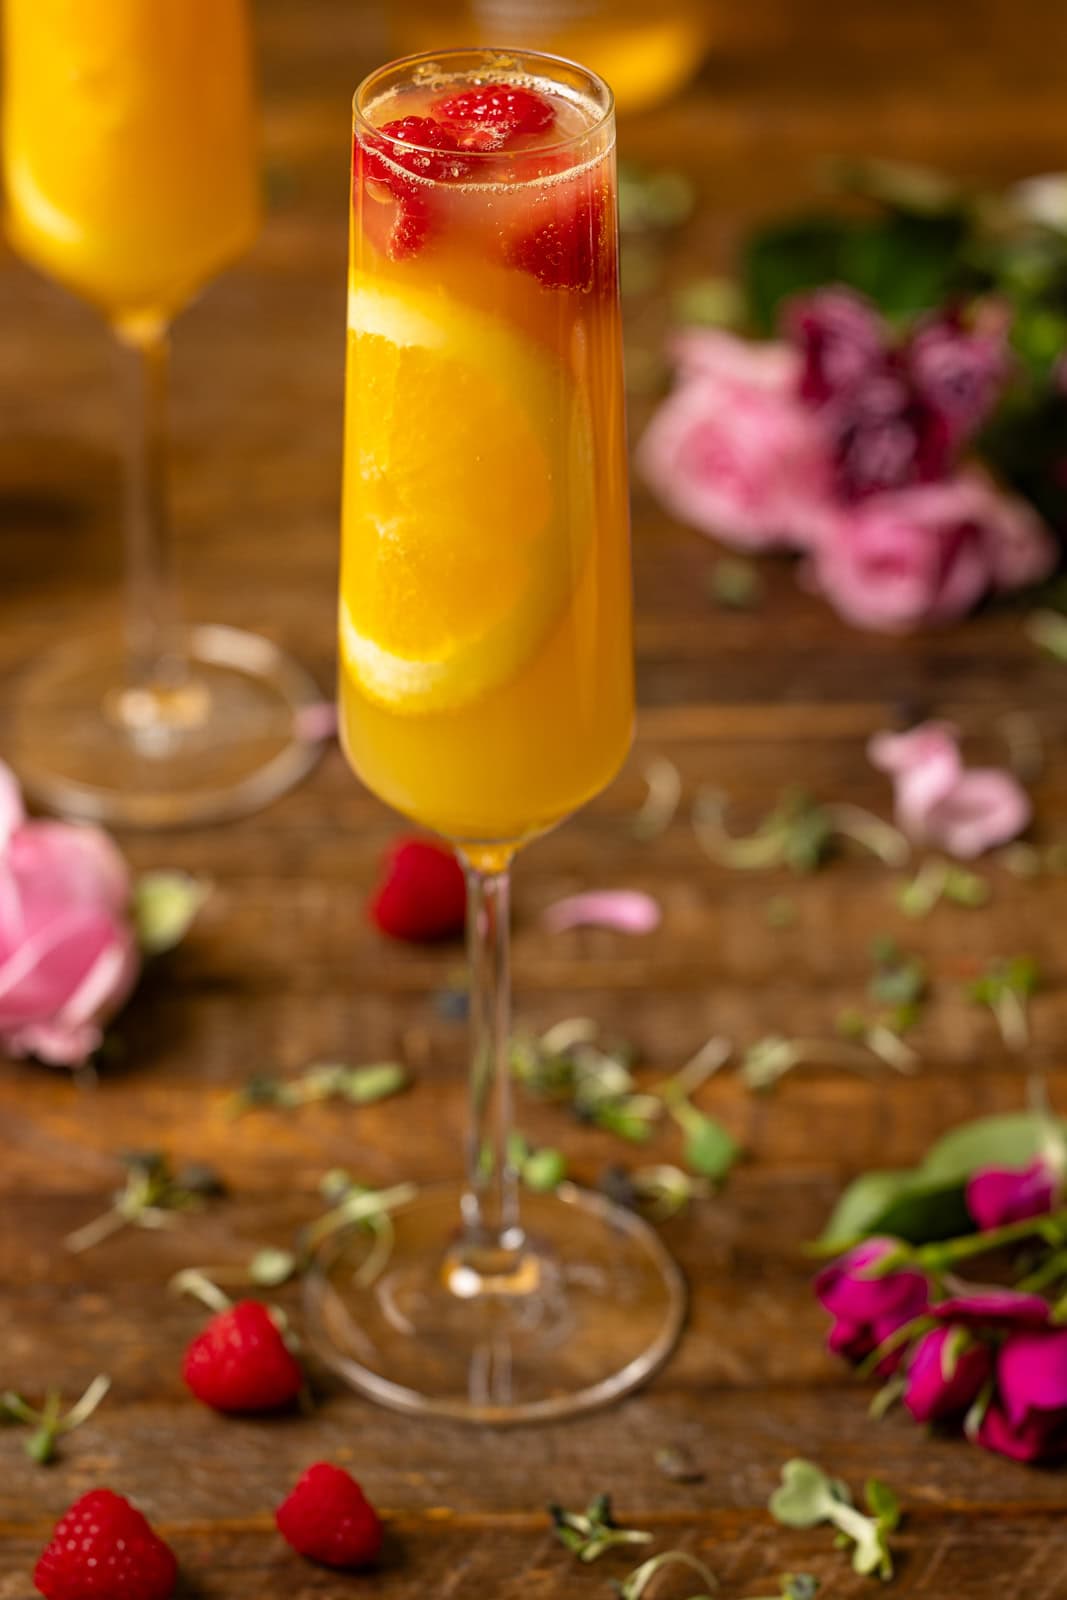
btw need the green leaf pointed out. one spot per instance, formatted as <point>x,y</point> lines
<point>805,1496</point>
<point>927,1212</point>
<point>883,1504</point>
<point>164,906</point>
<point>863,1203</point>
<point>709,1149</point>
<point>904,262</point>
<point>1013,1140</point>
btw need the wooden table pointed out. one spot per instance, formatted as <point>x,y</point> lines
<point>283,968</point>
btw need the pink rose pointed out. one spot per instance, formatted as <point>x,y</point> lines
<point>925,555</point>
<point>68,955</point>
<point>734,451</point>
<point>996,1195</point>
<point>940,802</point>
<point>947,1370</point>
<point>868,1310</point>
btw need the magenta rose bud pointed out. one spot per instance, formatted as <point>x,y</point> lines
<point>960,372</point>
<point>945,1374</point>
<point>68,955</point>
<point>993,1307</point>
<point>733,451</point>
<point>868,1310</point>
<point>1039,1438</point>
<point>939,802</point>
<point>998,1195</point>
<point>926,555</point>
<point>842,341</point>
<point>1032,1375</point>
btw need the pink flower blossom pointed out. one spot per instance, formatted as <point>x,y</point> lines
<point>996,1195</point>
<point>989,1306</point>
<point>960,371</point>
<point>68,956</point>
<point>1028,1419</point>
<point>942,1378</point>
<point>867,1310</point>
<point>1037,1438</point>
<point>733,451</point>
<point>939,801</point>
<point>925,555</point>
<point>841,339</point>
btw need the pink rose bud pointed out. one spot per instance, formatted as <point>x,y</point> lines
<point>997,1195</point>
<point>939,802</point>
<point>946,1372</point>
<point>868,1310</point>
<point>989,1306</point>
<point>733,451</point>
<point>1032,1376</point>
<point>922,556</point>
<point>1038,1438</point>
<point>68,956</point>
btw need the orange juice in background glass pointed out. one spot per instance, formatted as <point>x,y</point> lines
<point>647,51</point>
<point>130,160</point>
<point>486,676</point>
<point>130,146</point>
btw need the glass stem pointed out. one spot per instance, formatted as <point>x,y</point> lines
<point>153,655</point>
<point>491,1202</point>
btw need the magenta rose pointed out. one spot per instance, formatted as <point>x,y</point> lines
<point>867,1310</point>
<point>946,1372</point>
<point>68,954</point>
<point>926,555</point>
<point>842,341</point>
<point>1029,1419</point>
<point>941,803</point>
<point>959,370</point>
<point>733,451</point>
<point>998,1195</point>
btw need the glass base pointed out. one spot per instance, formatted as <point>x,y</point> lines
<point>221,740</point>
<point>593,1307</point>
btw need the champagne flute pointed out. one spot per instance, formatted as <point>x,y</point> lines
<point>131,173</point>
<point>487,679</point>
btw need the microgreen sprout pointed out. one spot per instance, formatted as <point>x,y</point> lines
<point>807,1497</point>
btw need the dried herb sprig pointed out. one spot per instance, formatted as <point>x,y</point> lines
<point>661,803</point>
<point>328,1080</point>
<point>1006,987</point>
<point>149,1196</point>
<point>588,1534</point>
<point>633,1587</point>
<point>799,833</point>
<point>807,1497</point>
<point>50,1423</point>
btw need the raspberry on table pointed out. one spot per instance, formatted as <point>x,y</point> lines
<point>328,1518</point>
<point>103,1548</point>
<point>241,1363</point>
<point>423,895</point>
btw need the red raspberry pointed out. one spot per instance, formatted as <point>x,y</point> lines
<point>240,1362</point>
<point>507,112</point>
<point>103,1549</point>
<point>423,894</point>
<point>563,248</point>
<point>433,153</point>
<point>328,1518</point>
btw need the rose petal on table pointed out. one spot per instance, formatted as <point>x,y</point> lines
<point>622,910</point>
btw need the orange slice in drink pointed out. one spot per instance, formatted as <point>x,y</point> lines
<point>466,499</point>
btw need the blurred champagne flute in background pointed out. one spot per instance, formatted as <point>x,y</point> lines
<point>131,170</point>
<point>647,51</point>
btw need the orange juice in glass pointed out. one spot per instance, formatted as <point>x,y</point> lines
<point>131,173</point>
<point>486,671</point>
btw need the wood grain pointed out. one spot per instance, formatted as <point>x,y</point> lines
<point>283,969</point>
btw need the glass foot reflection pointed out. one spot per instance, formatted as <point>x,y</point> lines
<point>596,1307</point>
<point>220,740</point>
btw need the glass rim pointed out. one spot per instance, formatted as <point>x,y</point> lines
<point>603,90</point>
